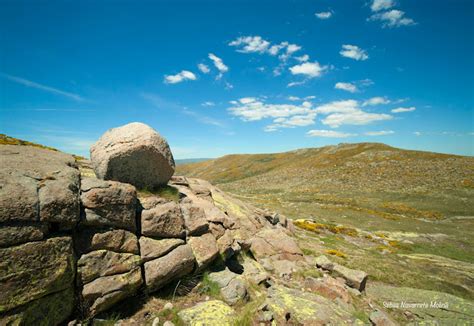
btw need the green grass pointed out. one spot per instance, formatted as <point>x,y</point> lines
<point>164,191</point>
<point>209,287</point>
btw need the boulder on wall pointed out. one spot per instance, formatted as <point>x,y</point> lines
<point>135,154</point>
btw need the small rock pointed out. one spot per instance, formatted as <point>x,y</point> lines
<point>156,322</point>
<point>354,278</point>
<point>324,263</point>
<point>168,306</point>
<point>379,318</point>
<point>168,323</point>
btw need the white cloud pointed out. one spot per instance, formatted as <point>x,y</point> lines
<point>49,89</point>
<point>378,5</point>
<point>329,134</point>
<point>402,110</point>
<point>292,48</point>
<point>345,106</point>
<point>348,112</point>
<point>247,100</point>
<point>308,69</point>
<point>392,18</point>
<point>417,133</point>
<point>323,15</point>
<point>179,77</point>
<point>250,44</point>
<point>302,58</point>
<point>283,115</point>
<point>203,68</point>
<point>379,133</point>
<point>378,100</point>
<point>256,44</point>
<point>358,117</point>
<point>208,103</point>
<point>346,87</point>
<point>353,52</point>
<point>219,64</point>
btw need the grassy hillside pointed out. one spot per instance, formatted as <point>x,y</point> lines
<point>412,211</point>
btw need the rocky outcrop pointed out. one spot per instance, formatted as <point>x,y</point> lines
<point>72,245</point>
<point>135,154</point>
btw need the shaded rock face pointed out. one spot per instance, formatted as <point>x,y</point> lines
<point>37,278</point>
<point>135,154</point>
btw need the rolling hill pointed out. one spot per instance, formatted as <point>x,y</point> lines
<point>419,204</point>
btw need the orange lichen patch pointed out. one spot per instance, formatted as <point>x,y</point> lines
<point>386,248</point>
<point>468,183</point>
<point>337,253</point>
<point>394,244</point>
<point>380,235</point>
<point>309,225</point>
<point>403,209</point>
<point>343,230</point>
<point>368,237</point>
<point>318,227</point>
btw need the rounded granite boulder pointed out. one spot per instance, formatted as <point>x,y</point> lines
<point>135,154</point>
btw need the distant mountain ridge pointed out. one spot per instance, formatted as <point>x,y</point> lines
<point>231,168</point>
<point>190,160</point>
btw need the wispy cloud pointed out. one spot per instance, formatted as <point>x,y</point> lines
<point>208,103</point>
<point>49,89</point>
<point>161,103</point>
<point>379,133</point>
<point>219,64</point>
<point>402,110</point>
<point>353,52</point>
<point>179,77</point>
<point>329,134</point>
<point>323,14</point>
<point>203,68</point>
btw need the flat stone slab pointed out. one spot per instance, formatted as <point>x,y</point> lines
<point>38,184</point>
<point>209,313</point>
<point>174,265</point>
<point>109,203</point>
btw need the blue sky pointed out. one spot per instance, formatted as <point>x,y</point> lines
<point>218,77</point>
